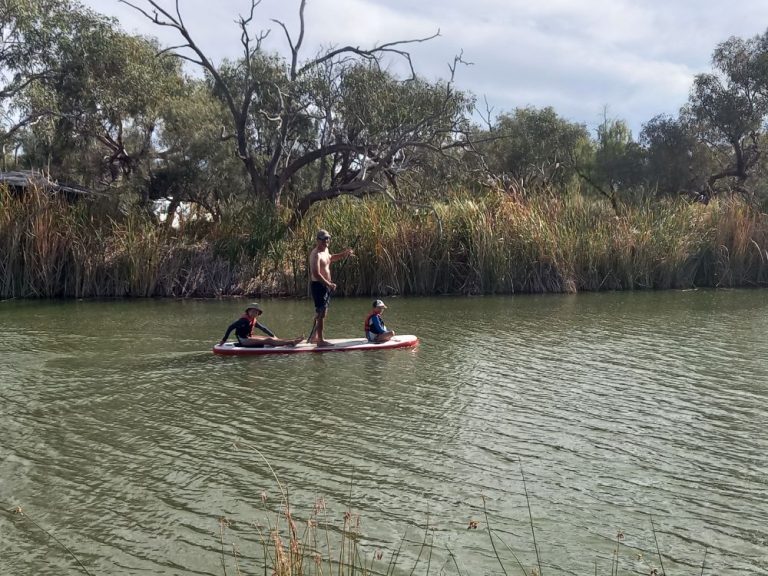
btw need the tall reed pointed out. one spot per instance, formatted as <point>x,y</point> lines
<point>494,244</point>
<point>51,248</point>
<point>501,244</point>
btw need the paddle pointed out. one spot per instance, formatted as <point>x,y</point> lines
<point>328,294</point>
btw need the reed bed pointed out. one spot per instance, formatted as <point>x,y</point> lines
<point>50,248</point>
<point>502,245</point>
<point>495,244</point>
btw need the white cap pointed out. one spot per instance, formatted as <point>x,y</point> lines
<point>379,304</point>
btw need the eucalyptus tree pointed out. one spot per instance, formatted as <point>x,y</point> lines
<point>106,103</point>
<point>84,96</point>
<point>616,167</point>
<point>677,162</point>
<point>619,159</point>
<point>30,32</point>
<point>193,164</point>
<point>307,130</point>
<point>377,128</point>
<point>535,147</point>
<point>728,107</point>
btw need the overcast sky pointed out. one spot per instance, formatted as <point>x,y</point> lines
<point>635,57</point>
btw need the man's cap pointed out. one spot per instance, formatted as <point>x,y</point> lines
<point>322,234</point>
<point>379,304</point>
<point>254,306</point>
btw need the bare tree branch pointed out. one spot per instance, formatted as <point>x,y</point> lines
<point>280,126</point>
<point>458,59</point>
<point>371,54</point>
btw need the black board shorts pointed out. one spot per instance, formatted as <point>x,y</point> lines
<point>321,295</point>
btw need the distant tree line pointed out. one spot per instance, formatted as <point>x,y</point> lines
<point>119,114</point>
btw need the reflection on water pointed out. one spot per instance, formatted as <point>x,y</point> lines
<point>639,413</point>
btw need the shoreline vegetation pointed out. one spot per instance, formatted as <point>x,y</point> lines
<point>498,243</point>
<point>134,169</point>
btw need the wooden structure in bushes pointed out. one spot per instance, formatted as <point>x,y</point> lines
<point>18,181</point>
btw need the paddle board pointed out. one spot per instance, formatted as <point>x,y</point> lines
<point>339,345</point>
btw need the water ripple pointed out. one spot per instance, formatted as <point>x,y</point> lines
<point>645,413</point>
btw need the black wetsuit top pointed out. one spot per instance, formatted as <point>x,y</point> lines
<point>243,327</point>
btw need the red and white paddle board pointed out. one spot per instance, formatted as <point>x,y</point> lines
<point>339,345</point>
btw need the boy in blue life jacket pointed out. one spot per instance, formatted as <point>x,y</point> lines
<point>244,326</point>
<point>375,331</point>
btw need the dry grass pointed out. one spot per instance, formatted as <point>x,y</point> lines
<point>498,244</point>
<point>504,245</point>
<point>50,248</point>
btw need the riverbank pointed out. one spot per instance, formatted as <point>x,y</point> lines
<point>497,244</point>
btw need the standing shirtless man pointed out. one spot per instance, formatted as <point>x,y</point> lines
<point>322,286</point>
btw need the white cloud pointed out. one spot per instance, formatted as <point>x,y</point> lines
<point>637,57</point>
<point>362,23</point>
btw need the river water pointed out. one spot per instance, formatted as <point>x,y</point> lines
<point>568,419</point>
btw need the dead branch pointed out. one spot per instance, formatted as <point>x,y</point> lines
<point>372,54</point>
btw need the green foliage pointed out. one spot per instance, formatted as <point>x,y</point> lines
<point>371,127</point>
<point>535,147</point>
<point>618,162</point>
<point>247,230</point>
<point>193,164</point>
<point>93,105</point>
<point>500,244</point>
<point>95,98</point>
<point>676,160</point>
<point>32,31</point>
<point>497,244</point>
<point>259,85</point>
<point>50,248</point>
<point>308,130</point>
<point>374,105</point>
<point>729,108</point>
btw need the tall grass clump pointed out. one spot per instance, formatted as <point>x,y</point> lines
<point>503,244</point>
<point>35,236</point>
<point>50,247</point>
<point>737,247</point>
<point>496,243</point>
<point>397,248</point>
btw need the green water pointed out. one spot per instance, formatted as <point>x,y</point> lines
<point>127,439</point>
